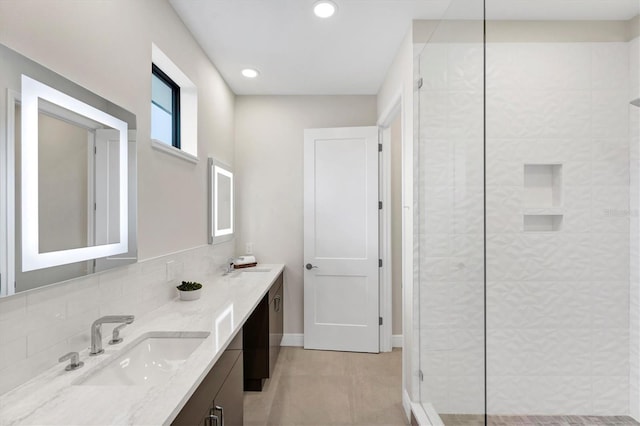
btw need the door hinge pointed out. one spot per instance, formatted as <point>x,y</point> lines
<point>379,320</point>
<point>95,150</point>
<point>380,263</point>
<point>379,205</point>
<point>379,147</point>
<point>421,375</point>
<point>419,83</point>
<point>95,207</point>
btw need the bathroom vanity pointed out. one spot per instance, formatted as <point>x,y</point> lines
<point>262,338</point>
<point>207,384</point>
<point>218,400</point>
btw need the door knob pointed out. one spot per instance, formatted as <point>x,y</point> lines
<point>310,266</point>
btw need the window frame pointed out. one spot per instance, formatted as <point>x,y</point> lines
<point>175,103</point>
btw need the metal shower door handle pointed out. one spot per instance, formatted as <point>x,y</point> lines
<point>310,266</point>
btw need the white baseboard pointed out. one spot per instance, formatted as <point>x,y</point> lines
<point>292,339</point>
<point>397,341</point>
<point>297,340</point>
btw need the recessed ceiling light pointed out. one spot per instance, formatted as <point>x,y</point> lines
<point>250,73</point>
<point>324,8</point>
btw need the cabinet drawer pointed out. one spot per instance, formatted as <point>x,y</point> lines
<point>198,406</point>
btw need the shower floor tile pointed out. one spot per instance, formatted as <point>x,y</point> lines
<point>473,420</point>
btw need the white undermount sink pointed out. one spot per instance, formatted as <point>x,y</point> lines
<point>151,359</point>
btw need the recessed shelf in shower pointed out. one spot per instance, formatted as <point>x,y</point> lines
<point>542,198</point>
<point>542,185</point>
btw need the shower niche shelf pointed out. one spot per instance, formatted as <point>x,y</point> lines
<point>542,185</point>
<point>542,198</point>
<point>542,222</point>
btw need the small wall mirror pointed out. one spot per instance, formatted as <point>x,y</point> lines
<point>221,202</point>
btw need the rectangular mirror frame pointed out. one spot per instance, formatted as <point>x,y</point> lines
<point>32,259</point>
<point>217,235</point>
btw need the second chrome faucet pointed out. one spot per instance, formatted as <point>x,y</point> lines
<point>96,330</point>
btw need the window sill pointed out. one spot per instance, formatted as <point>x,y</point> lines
<point>160,146</point>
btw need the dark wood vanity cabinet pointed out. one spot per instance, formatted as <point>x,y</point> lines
<point>262,335</point>
<point>218,401</point>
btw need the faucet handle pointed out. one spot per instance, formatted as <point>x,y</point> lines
<point>74,358</point>
<point>115,338</point>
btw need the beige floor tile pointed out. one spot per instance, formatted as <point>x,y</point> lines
<point>382,364</point>
<point>311,400</point>
<point>319,388</point>
<point>300,362</point>
<point>377,400</point>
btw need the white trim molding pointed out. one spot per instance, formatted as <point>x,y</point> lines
<point>397,341</point>
<point>292,339</point>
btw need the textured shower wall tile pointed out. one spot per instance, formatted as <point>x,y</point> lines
<point>577,197</point>
<point>610,66</point>
<point>609,259</point>
<point>436,221</point>
<point>539,66</point>
<point>499,150</point>
<point>577,221</point>
<point>504,209</point>
<point>433,114</point>
<point>435,390</point>
<point>465,64</point>
<point>576,173</point>
<point>634,66</point>
<point>610,113</point>
<point>610,305</point>
<point>610,395</point>
<point>538,114</point>
<point>505,173</point>
<point>539,394</point>
<point>466,362</point>
<point>610,352</point>
<point>466,114</point>
<point>469,394</point>
<point>434,74</point>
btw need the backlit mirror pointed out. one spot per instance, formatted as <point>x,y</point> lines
<point>68,203</point>
<point>220,202</point>
<point>61,201</point>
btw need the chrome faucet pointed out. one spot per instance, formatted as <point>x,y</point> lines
<point>229,266</point>
<point>96,330</point>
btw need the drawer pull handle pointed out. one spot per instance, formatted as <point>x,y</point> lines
<point>219,408</point>
<point>211,420</point>
<point>277,301</point>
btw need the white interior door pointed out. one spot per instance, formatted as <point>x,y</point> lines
<point>341,239</point>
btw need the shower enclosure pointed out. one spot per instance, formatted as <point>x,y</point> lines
<point>527,183</point>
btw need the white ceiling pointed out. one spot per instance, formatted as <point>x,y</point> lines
<point>350,53</point>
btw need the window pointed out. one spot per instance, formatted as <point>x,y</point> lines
<point>165,108</point>
<point>174,109</point>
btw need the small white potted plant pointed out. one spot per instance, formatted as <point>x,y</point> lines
<point>189,290</point>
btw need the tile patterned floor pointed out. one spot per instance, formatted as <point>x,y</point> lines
<point>471,420</point>
<point>318,388</point>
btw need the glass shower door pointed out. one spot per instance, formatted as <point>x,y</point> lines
<point>449,150</point>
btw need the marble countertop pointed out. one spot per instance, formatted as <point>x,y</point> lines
<point>53,398</point>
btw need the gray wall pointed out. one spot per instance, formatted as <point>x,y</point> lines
<point>105,46</point>
<point>269,166</point>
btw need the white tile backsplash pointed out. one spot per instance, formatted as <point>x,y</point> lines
<point>39,326</point>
